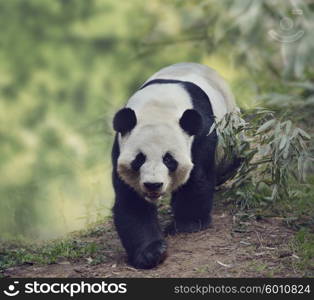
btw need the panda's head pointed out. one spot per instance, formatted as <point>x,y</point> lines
<point>155,156</point>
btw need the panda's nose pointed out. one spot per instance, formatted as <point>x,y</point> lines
<point>153,186</point>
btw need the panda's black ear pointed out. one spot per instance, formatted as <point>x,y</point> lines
<point>191,122</point>
<point>124,120</point>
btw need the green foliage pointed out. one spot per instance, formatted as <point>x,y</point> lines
<point>273,154</point>
<point>48,253</point>
<point>65,68</point>
<point>272,39</point>
<point>305,246</point>
<point>246,27</point>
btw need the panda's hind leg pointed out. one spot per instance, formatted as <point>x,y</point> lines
<point>192,204</point>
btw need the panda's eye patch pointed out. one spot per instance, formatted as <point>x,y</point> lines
<point>170,162</point>
<point>138,161</point>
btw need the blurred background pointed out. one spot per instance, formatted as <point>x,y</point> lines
<point>66,66</point>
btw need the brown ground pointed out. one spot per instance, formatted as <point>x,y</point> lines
<point>236,246</point>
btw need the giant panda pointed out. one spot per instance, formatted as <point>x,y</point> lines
<point>162,147</point>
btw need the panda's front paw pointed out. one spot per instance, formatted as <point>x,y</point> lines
<point>151,256</point>
<point>187,226</point>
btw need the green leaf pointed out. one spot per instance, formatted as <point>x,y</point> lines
<point>288,127</point>
<point>274,192</point>
<point>266,126</point>
<point>305,135</point>
<point>283,142</point>
<point>286,150</point>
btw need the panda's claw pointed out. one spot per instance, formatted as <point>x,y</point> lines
<point>152,255</point>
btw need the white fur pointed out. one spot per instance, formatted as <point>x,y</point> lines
<point>160,103</point>
<point>154,140</point>
<point>207,79</point>
<point>158,108</point>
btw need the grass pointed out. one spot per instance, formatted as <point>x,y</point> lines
<point>46,254</point>
<point>82,244</point>
<point>297,213</point>
<point>305,246</point>
<point>300,211</point>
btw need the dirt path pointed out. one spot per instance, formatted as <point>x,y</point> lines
<point>231,248</point>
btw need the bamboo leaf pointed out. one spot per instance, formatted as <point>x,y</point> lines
<point>283,142</point>
<point>304,134</point>
<point>274,192</point>
<point>266,126</point>
<point>212,128</point>
<point>288,127</point>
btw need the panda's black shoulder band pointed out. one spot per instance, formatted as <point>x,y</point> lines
<point>160,81</point>
<point>190,87</point>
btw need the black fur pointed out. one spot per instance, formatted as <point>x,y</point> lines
<point>191,122</point>
<point>138,161</point>
<point>164,81</point>
<point>136,219</point>
<point>192,202</point>
<point>170,162</point>
<point>136,223</point>
<point>124,120</point>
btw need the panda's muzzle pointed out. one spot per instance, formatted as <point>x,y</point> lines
<point>153,186</point>
<point>153,190</point>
